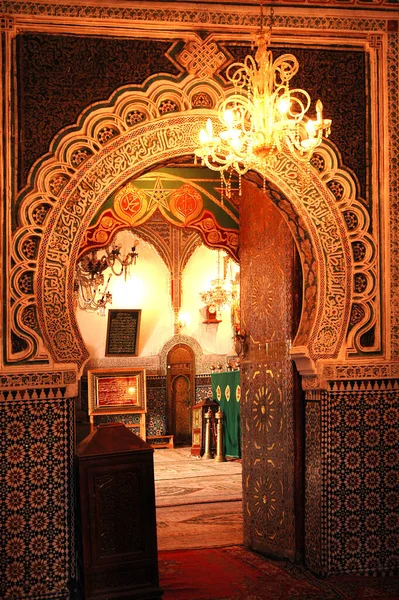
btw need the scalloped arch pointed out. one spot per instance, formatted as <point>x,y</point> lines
<point>75,180</point>
<point>181,339</point>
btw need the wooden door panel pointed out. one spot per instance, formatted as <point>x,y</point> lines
<point>181,390</point>
<point>266,267</point>
<point>181,395</point>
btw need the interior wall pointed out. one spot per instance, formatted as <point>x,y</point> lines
<point>148,287</point>
<point>201,269</point>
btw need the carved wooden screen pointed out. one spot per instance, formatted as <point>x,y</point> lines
<point>267,406</point>
<point>181,392</point>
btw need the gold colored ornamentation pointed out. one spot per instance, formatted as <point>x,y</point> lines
<point>106,134</point>
<point>131,205</point>
<point>265,497</point>
<point>263,117</point>
<point>201,100</point>
<point>186,203</point>
<point>159,197</point>
<point>167,106</point>
<point>202,59</point>
<point>265,408</point>
<point>80,155</point>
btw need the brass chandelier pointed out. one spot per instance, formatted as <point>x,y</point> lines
<point>90,292</point>
<point>263,117</point>
<point>218,296</point>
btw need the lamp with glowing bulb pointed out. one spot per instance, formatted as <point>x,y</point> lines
<point>181,321</point>
<point>263,117</point>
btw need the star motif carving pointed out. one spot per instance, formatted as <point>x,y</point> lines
<point>158,196</point>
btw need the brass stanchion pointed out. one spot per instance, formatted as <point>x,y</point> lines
<point>208,417</point>
<point>219,441</point>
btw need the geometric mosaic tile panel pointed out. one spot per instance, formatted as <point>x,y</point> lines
<point>156,406</point>
<point>127,419</point>
<point>157,410</point>
<point>37,558</point>
<point>203,388</point>
<point>352,513</point>
<point>362,481</point>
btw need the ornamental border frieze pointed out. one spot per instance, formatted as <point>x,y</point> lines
<point>360,372</point>
<point>12,381</point>
<point>320,393</point>
<point>210,17</point>
<point>352,378</point>
<point>393,124</point>
<point>326,230</point>
<point>38,385</point>
<point>86,168</point>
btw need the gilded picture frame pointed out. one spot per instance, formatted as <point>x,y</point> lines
<point>116,391</point>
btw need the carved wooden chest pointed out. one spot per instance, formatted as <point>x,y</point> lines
<point>117,522</point>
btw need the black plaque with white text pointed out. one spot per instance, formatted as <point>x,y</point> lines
<point>123,332</point>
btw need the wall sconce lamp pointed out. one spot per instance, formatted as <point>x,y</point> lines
<point>89,276</point>
<point>181,320</point>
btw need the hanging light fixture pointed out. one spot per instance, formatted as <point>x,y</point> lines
<point>90,292</point>
<point>217,297</point>
<point>263,116</point>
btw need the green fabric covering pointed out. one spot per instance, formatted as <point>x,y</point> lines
<point>226,391</point>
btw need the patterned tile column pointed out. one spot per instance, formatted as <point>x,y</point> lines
<point>37,518</point>
<point>352,461</point>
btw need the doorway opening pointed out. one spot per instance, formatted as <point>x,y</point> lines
<point>181,393</point>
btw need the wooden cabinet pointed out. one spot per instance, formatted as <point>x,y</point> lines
<point>117,521</point>
<point>135,422</point>
<point>198,427</point>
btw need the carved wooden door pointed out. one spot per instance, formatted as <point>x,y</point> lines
<point>181,392</point>
<point>269,399</point>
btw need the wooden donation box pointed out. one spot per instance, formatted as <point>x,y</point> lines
<point>198,426</point>
<point>119,557</point>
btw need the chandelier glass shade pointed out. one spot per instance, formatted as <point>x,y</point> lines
<point>91,291</point>
<point>219,295</point>
<point>263,117</point>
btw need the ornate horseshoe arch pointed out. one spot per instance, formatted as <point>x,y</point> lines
<point>137,130</point>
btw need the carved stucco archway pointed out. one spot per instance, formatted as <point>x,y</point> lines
<point>128,137</point>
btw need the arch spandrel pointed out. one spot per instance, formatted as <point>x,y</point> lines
<point>76,191</point>
<point>180,197</point>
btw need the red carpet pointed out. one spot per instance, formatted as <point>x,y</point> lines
<point>235,573</point>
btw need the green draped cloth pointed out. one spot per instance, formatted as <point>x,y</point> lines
<point>226,391</point>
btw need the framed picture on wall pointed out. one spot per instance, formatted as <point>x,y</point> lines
<point>116,391</point>
<point>123,331</point>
